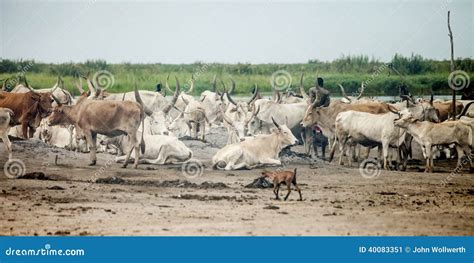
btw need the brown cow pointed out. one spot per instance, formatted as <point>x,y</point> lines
<point>28,108</point>
<point>445,109</point>
<point>109,118</point>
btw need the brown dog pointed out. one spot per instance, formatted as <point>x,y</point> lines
<point>280,177</point>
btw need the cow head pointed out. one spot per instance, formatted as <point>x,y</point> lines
<point>311,116</point>
<point>158,124</point>
<point>406,118</point>
<point>252,123</point>
<point>58,116</point>
<point>424,110</point>
<point>285,136</point>
<point>43,103</point>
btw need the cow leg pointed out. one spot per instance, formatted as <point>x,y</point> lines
<point>91,139</point>
<point>24,129</point>
<point>460,152</point>
<point>367,153</point>
<point>203,131</point>
<point>275,190</point>
<point>137,151</point>
<point>428,154</point>
<point>331,152</point>
<point>303,139</point>
<point>8,144</point>
<point>355,152</point>
<point>194,130</point>
<point>288,186</point>
<point>342,149</point>
<point>385,149</point>
<point>271,161</point>
<point>31,132</point>
<point>299,191</point>
<point>132,140</point>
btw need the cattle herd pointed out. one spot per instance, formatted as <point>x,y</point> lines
<point>144,126</point>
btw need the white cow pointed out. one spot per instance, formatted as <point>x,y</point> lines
<point>5,115</point>
<point>256,151</point>
<point>160,149</point>
<point>429,134</point>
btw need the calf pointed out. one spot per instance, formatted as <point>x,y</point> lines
<point>283,177</point>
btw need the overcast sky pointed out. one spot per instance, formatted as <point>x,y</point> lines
<point>232,31</point>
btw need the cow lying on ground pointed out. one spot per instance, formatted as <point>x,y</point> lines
<point>161,149</point>
<point>5,118</point>
<point>254,152</point>
<point>429,134</point>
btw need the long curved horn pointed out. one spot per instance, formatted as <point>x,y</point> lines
<point>275,123</point>
<point>392,109</point>
<point>139,100</point>
<point>254,95</point>
<point>123,97</point>
<point>175,98</point>
<point>230,99</point>
<point>167,86</point>
<point>185,100</point>
<point>432,97</point>
<point>78,85</point>
<point>226,118</point>
<point>30,88</point>
<point>225,89</point>
<point>302,91</point>
<point>362,89</point>
<point>277,97</point>
<point>190,90</point>
<point>214,83</point>
<point>56,99</point>
<point>26,82</point>
<point>344,93</point>
<point>232,88</point>
<point>99,89</point>
<point>4,86</point>
<point>90,85</point>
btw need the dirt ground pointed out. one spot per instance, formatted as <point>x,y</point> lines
<point>71,198</point>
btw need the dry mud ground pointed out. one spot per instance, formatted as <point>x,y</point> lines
<point>149,201</point>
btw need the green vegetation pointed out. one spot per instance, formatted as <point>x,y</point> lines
<point>420,74</point>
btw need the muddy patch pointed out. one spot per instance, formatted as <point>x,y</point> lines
<point>36,176</point>
<point>171,183</point>
<point>206,197</point>
<point>260,182</point>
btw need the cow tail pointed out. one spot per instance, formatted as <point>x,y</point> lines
<point>142,141</point>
